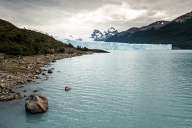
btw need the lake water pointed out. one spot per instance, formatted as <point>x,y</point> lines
<point>122,89</point>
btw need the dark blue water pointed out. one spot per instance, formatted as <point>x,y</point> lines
<point>122,89</point>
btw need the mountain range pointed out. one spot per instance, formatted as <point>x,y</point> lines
<point>177,32</point>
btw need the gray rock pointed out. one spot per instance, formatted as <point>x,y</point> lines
<point>53,60</point>
<point>44,74</point>
<point>35,90</point>
<point>67,88</point>
<point>36,104</point>
<point>50,71</point>
<point>17,96</point>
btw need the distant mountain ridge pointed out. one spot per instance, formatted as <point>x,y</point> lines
<point>155,25</point>
<point>177,32</point>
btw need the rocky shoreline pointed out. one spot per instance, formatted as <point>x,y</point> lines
<point>15,72</point>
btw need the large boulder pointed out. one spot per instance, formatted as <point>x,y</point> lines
<point>36,104</point>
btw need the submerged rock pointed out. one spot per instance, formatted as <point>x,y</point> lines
<point>17,96</point>
<point>44,74</point>
<point>50,71</point>
<point>36,104</point>
<point>67,88</point>
<point>53,61</point>
<point>35,90</point>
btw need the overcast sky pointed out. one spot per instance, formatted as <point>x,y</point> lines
<point>80,17</point>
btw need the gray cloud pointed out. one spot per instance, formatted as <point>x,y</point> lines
<point>79,17</point>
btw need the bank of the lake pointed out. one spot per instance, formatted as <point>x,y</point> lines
<point>16,71</point>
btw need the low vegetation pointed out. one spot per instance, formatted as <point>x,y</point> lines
<point>16,41</point>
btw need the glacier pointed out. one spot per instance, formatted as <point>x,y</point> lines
<point>118,46</point>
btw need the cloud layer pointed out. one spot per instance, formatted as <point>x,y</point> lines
<point>80,17</point>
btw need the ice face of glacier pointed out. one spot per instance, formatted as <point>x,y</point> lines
<point>119,46</point>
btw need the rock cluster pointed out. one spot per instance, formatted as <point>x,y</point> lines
<point>7,94</point>
<point>13,73</point>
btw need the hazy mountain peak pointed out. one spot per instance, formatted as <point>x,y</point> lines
<point>97,35</point>
<point>112,30</point>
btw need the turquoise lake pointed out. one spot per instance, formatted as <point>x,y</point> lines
<point>121,89</point>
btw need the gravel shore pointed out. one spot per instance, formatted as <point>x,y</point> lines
<point>16,71</point>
